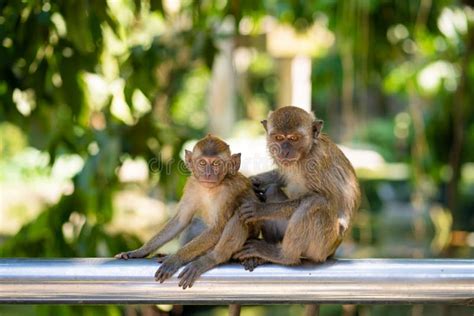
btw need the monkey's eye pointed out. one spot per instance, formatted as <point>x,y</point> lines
<point>279,138</point>
<point>216,163</point>
<point>294,138</point>
<point>202,162</point>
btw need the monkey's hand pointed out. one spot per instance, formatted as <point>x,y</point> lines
<point>170,265</point>
<point>131,254</point>
<point>257,182</point>
<point>251,263</point>
<point>249,211</point>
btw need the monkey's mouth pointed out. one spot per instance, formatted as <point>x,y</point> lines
<point>287,161</point>
<point>207,183</point>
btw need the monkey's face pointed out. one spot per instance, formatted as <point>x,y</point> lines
<point>291,133</point>
<point>210,161</point>
<point>288,148</point>
<point>210,170</point>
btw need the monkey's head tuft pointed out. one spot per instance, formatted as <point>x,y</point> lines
<point>290,118</point>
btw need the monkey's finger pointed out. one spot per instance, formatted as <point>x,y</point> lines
<point>246,213</point>
<point>255,182</point>
<point>251,219</point>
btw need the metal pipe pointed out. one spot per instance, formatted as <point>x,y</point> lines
<point>364,281</point>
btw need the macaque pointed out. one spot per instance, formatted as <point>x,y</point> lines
<point>309,219</point>
<point>215,191</point>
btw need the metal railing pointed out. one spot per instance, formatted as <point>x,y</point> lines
<point>106,281</point>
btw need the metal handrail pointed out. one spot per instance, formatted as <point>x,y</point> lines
<point>364,281</point>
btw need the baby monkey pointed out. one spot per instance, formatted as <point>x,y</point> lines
<point>215,191</point>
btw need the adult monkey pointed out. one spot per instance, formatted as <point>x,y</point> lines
<point>321,186</point>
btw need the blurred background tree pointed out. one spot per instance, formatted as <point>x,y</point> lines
<point>98,99</point>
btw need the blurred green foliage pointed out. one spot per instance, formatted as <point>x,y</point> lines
<point>112,80</point>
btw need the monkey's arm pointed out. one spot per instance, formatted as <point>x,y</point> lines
<point>262,180</point>
<point>171,229</point>
<point>251,211</point>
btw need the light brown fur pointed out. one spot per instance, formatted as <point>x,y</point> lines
<point>321,186</point>
<point>214,191</point>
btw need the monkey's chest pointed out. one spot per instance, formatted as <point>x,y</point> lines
<point>296,186</point>
<point>211,208</point>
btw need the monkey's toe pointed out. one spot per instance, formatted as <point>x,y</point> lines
<point>251,263</point>
<point>164,273</point>
<point>122,255</point>
<point>189,275</point>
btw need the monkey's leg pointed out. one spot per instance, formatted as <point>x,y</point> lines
<point>232,239</point>
<point>274,230</point>
<point>309,220</point>
<point>323,235</point>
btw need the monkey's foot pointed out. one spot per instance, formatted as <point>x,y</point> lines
<point>190,274</point>
<point>252,248</point>
<point>169,267</point>
<point>251,263</point>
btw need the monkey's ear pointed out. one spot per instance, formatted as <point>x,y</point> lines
<point>264,123</point>
<point>188,159</point>
<point>317,127</point>
<point>234,163</point>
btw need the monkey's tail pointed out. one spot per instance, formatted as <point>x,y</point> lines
<point>234,310</point>
<point>311,310</point>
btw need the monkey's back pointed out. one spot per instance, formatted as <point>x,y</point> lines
<point>331,174</point>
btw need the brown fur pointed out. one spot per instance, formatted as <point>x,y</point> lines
<point>215,202</point>
<point>321,186</point>
<point>211,146</point>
